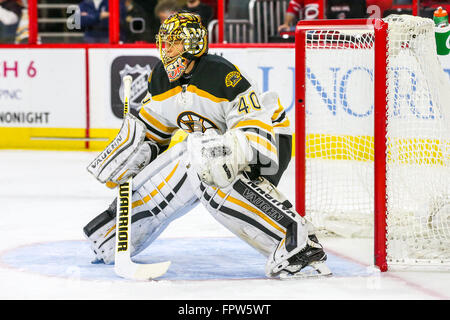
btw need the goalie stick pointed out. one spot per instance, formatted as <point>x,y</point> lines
<point>123,265</point>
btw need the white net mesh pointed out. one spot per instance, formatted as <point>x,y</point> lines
<point>418,132</point>
<point>340,145</point>
<point>339,130</point>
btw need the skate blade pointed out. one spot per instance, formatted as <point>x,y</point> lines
<point>314,270</point>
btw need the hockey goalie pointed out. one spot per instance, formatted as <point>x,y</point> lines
<point>238,146</point>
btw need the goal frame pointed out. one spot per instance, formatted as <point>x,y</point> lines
<point>380,29</point>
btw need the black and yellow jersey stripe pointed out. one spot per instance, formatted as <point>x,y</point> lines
<point>156,129</point>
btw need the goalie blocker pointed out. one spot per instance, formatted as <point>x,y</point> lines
<point>126,155</point>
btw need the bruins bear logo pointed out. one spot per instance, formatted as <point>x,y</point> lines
<point>232,79</point>
<point>192,122</point>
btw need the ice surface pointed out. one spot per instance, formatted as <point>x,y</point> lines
<point>48,196</point>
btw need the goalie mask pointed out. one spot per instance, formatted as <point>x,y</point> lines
<point>181,39</point>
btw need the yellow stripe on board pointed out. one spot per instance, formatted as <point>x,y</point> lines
<point>100,145</point>
<point>361,148</point>
<point>339,147</point>
<point>419,151</point>
<point>318,146</point>
<point>42,138</point>
<point>64,139</point>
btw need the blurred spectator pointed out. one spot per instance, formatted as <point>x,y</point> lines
<point>152,24</point>
<point>22,31</point>
<point>137,22</point>
<point>435,3</point>
<point>427,7</point>
<point>203,10</point>
<point>165,9</point>
<point>423,3</point>
<point>238,9</point>
<point>299,10</point>
<point>346,9</point>
<point>95,20</point>
<point>10,14</point>
<point>214,5</point>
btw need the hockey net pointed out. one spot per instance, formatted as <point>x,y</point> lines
<point>357,79</point>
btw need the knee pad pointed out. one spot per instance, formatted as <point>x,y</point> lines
<point>255,212</point>
<point>161,194</point>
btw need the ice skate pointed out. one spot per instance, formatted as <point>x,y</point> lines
<point>309,262</point>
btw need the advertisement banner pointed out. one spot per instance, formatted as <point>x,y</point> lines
<point>42,88</point>
<point>107,68</point>
<point>42,99</point>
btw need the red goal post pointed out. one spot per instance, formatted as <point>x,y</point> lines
<point>333,37</point>
<point>380,29</point>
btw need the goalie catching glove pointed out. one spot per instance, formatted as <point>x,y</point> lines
<point>126,155</point>
<point>218,159</point>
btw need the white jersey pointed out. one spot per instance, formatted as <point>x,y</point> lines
<point>217,96</point>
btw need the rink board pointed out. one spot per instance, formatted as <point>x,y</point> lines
<point>192,259</point>
<point>64,98</point>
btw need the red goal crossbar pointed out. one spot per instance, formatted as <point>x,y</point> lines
<point>380,87</point>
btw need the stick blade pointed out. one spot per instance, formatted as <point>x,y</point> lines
<point>151,271</point>
<point>136,271</point>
